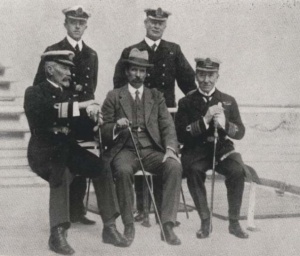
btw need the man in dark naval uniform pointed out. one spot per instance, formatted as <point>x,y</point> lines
<point>170,65</point>
<point>83,83</point>
<point>198,115</point>
<point>54,155</point>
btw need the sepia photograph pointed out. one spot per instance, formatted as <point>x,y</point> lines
<point>147,127</point>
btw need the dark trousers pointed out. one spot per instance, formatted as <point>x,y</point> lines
<point>77,192</point>
<point>157,191</point>
<point>86,164</point>
<point>234,181</point>
<point>126,163</point>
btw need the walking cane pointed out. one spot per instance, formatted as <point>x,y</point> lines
<point>213,175</point>
<point>150,191</point>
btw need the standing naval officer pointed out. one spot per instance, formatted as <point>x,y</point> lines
<point>195,121</point>
<point>83,83</point>
<point>155,136</point>
<point>53,153</point>
<point>170,65</point>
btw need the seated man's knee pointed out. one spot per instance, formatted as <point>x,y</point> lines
<point>173,166</point>
<point>123,171</point>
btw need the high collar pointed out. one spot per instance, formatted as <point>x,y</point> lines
<point>74,42</point>
<point>207,94</point>
<point>54,84</point>
<point>150,42</point>
<point>132,90</point>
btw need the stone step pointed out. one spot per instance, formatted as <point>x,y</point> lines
<point>12,143</point>
<point>11,163</point>
<point>20,177</point>
<point>13,153</point>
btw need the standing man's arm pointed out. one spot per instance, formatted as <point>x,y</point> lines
<point>120,78</point>
<point>185,75</point>
<point>95,77</point>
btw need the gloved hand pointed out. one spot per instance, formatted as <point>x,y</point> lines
<point>220,120</point>
<point>93,111</point>
<point>78,87</point>
<point>212,111</point>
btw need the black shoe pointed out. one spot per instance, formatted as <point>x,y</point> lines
<point>110,235</point>
<point>129,233</point>
<point>139,216</point>
<point>83,220</point>
<point>236,230</point>
<point>203,232</point>
<point>58,243</point>
<point>171,237</point>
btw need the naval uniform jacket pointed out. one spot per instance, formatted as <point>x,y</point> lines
<point>47,107</point>
<point>158,121</point>
<point>198,141</point>
<point>169,65</point>
<point>84,73</point>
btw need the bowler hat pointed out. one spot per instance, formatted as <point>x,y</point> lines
<point>139,58</point>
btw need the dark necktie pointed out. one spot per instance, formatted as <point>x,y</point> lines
<point>137,98</point>
<point>77,49</point>
<point>153,47</point>
<point>206,98</point>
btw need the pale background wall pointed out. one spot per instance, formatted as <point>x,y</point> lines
<point>257,41</point>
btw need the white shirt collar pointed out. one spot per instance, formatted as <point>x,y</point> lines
<point>207,94</point>
<point>150,42</point>
<point>54,84</point>
<point>132,90</point>
<point>74,42</point>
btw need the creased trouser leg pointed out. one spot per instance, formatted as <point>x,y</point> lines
<point>106,196</point>
<point>59,202</point>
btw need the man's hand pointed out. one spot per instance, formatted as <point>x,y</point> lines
<point>122,123</point>
<point>78,87</point>
<point>170,153</point>
<point>220,120</point>
<point>93,112</point>
<point>99,121</point>
<point>212,111</point>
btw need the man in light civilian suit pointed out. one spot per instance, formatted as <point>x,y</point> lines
<point>83,83</point>
<point>155,137</point>
<point>169,66</point>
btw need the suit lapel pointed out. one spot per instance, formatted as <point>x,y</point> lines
<point>125,99</point>
<point>148,103</point>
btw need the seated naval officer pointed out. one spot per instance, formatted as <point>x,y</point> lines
<point>198,114</point>
<point>155,137</point>
<point>54,155</point>
<point>83,83</point>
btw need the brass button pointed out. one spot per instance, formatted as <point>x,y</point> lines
<point>87,76</point>
<point>73,74</point>
<point>163,83</point>
<point>164,65</point>
<point>74,82</point>
<point>53,96</point>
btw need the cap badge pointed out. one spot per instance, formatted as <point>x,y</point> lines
<point>159,12</point>
<point>79,11</point>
